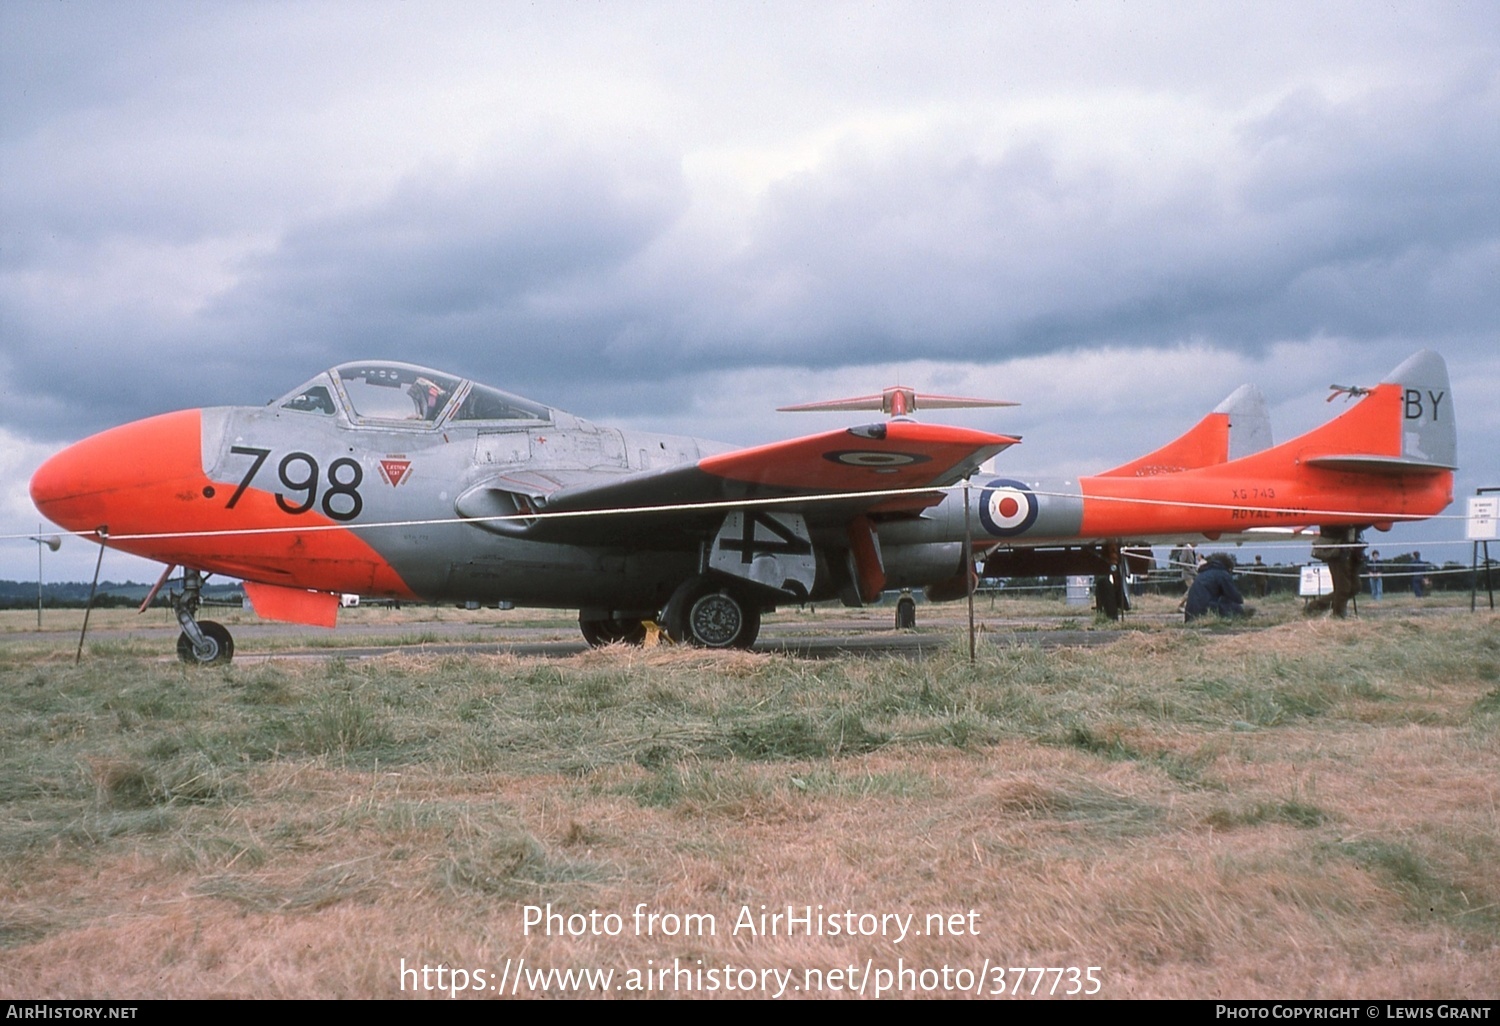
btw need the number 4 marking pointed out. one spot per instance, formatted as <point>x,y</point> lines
<point>748,546</point>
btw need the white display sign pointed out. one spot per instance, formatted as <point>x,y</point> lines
<point>1080,591</point>
<point>1484,513</point>
<point>1316,580</point>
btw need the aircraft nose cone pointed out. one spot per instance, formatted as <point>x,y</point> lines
<point>62,481</point>
<point>114,478</point>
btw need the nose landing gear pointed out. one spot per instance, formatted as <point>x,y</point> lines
<point>201,643</point>
<point>218,647</point>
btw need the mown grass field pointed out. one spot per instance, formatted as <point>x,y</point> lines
<point>1307,809</point>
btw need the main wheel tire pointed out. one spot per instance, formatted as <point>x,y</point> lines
<point>906,613</point>
<point>1109,597</point>
<point>706,613</point>
<point>1122,583</point>
<point>722,619</point>
<point>221,642</point>
<point>599,633</point>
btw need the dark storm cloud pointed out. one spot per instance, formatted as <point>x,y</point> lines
<point>513,262</point>
<point>1369,217</point>
<point>480,272</point>
<point>1372,217</point>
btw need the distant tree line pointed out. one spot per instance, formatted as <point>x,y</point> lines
<point>111,594</point>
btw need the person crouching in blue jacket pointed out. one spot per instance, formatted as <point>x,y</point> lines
<point>1214,591</point>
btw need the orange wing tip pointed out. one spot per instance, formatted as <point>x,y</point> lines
<point>912,431</point>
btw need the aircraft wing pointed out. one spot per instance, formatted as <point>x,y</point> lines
<point>829,478</point>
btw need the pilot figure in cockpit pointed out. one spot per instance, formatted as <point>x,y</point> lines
<point>428,398</point>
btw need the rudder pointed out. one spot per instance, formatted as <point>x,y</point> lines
<point>1429,433</point>
<point>1404,425</point>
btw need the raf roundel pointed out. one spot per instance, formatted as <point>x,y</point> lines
<point>875,460</point>
<point>1007,508</point>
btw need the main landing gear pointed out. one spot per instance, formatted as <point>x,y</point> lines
<point>906,612</point>
<point>705,611</point>
<point>1111,589</point>
<point>201,643</point>
<point>600,631</point>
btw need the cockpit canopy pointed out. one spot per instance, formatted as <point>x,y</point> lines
<point>388,394</point>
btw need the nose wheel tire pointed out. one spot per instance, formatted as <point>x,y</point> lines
<point>220,646</point>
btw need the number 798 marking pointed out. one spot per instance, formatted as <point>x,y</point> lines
<point>344,478</point>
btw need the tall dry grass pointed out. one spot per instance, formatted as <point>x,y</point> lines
<point>1307,809</point>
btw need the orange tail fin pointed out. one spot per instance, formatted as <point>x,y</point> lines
<point>1237,427</point>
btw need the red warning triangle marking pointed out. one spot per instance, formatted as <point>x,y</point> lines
<point>395,471</point>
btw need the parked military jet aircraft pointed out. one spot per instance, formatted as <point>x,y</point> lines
<point>387,479</point>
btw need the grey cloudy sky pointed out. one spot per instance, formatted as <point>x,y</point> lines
<point>680,216</point>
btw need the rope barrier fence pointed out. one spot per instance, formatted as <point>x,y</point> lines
<point>732,504</point>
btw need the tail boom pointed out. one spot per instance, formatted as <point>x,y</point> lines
<point>1205,502</point>
<point>1388,458</point>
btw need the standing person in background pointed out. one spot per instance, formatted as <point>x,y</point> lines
<point>1339,547</point>
<point>1419,572</point>
<point>1377,579</point>
<point>1259,581</point>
